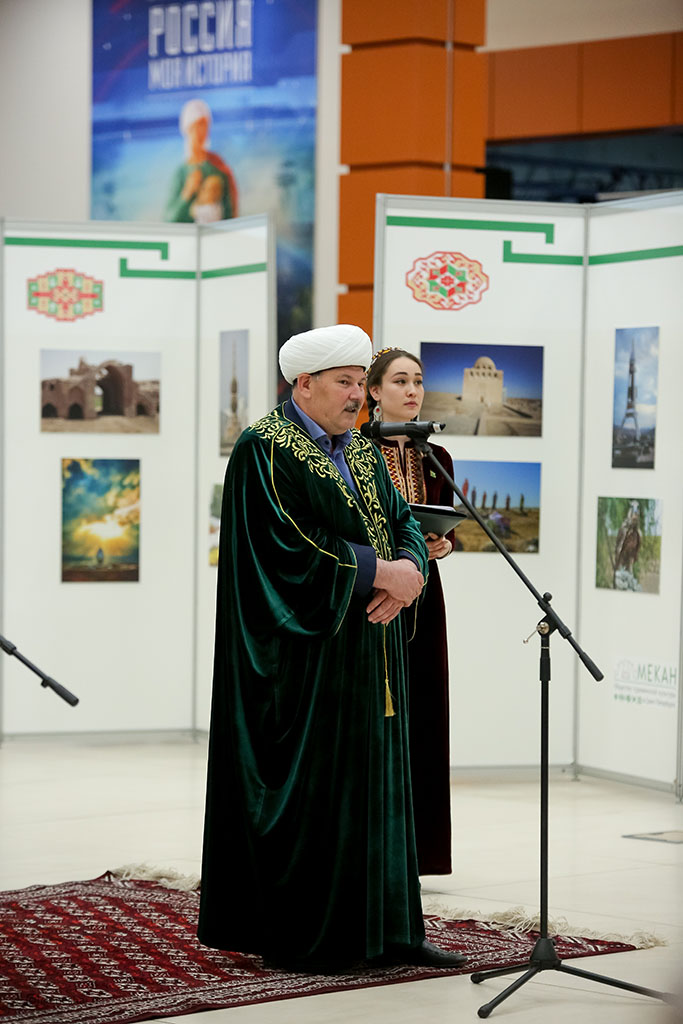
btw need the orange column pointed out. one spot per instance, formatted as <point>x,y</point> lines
<point>413,120</point>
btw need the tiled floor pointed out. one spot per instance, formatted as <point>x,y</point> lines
<point>73,807</point>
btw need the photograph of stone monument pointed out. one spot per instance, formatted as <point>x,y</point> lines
<point>100,520</point>
<point>484,390</point>
<point>507,495</point>
<point>636,366</point>
<point>234,382</point>
<point>629,544</point>
<point>99,392</point>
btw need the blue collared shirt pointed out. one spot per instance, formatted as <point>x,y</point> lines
<point>366,558</point>
<point>332,446</point>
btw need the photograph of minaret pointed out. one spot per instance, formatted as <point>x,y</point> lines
<point>636,365</point>
<point>234,378</point>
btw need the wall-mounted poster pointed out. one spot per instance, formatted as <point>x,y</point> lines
<point>487,390</point>
<point>215,522</point>
<point>234,380</point>
<point>100,520</point>
<point>629,544</point>
<point>207,111</point>
<point>508,497</point>
<point>636,362</point>
<point>83,391</point>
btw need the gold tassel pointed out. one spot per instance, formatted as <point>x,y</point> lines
<point>388,702</point>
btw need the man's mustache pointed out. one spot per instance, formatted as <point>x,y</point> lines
<point>352,407</point>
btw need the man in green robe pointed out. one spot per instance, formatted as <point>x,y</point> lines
<point>309,846</point>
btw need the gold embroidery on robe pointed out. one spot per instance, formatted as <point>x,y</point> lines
<point>361,456</point>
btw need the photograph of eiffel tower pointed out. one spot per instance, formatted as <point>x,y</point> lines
<point>636,363</point>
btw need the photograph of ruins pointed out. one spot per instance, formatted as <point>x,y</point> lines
<point>507,495</point>
<point>484,390</point>
<point>636,365</point>
<point>96,392</point>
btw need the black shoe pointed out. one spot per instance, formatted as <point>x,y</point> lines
<point>426,955</point>
<point>429,955</point>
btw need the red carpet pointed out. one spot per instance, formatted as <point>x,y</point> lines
<point>107,951</point>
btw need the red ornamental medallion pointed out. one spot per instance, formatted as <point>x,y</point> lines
<point>65,295</point>
<point>447,280</point>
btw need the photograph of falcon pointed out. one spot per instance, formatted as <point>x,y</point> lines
<point>629,544</point>
<point>628,541</point>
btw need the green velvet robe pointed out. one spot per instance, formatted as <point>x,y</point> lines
<point>309,845</point>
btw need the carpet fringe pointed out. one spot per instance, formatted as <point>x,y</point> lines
<point>520,920</point>
<point>168,877</point>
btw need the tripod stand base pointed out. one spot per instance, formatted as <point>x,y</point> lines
<point>544,958</point>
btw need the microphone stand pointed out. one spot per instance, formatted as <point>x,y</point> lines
<point>544,955</point>
<point>9,648</point>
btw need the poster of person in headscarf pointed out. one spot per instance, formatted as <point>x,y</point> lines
<point>204,188</point>
<point>207,111</point>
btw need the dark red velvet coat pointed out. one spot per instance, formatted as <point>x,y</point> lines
<point>428,698</point>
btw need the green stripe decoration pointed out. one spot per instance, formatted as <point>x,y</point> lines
<point>530,257</point>
<point>473,225</point>
<point>557,259</point>
<point>637,254</point>
<point>90,243</point>
<point>246,268</point>
<point>608,257</point>
<point>190,275</point>
<point>177,275</point>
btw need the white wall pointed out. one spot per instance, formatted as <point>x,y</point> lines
<point>512,24</point>
<point>45,111</point>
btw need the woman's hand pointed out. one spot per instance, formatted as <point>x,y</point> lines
<point>438,547</point>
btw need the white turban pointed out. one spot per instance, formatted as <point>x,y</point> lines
<point>323,348</point>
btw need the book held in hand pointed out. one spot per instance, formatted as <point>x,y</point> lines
<point>438,519</point>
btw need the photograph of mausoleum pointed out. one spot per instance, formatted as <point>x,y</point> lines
<point>492,390</point>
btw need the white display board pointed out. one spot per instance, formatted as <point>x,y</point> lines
<point>525,264</point>
<point>491,279</point>
<point>102,399</point>
<point>237,367</point>
<point>629,724</point>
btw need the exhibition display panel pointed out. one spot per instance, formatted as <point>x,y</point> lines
<point>112,413</point>
<point>541,328</point>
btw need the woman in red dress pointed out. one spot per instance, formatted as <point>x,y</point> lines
<point>395,394</point>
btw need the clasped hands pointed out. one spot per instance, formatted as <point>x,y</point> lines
<point>396,585</point>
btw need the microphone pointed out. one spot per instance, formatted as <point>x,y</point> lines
<point>413,428</point>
